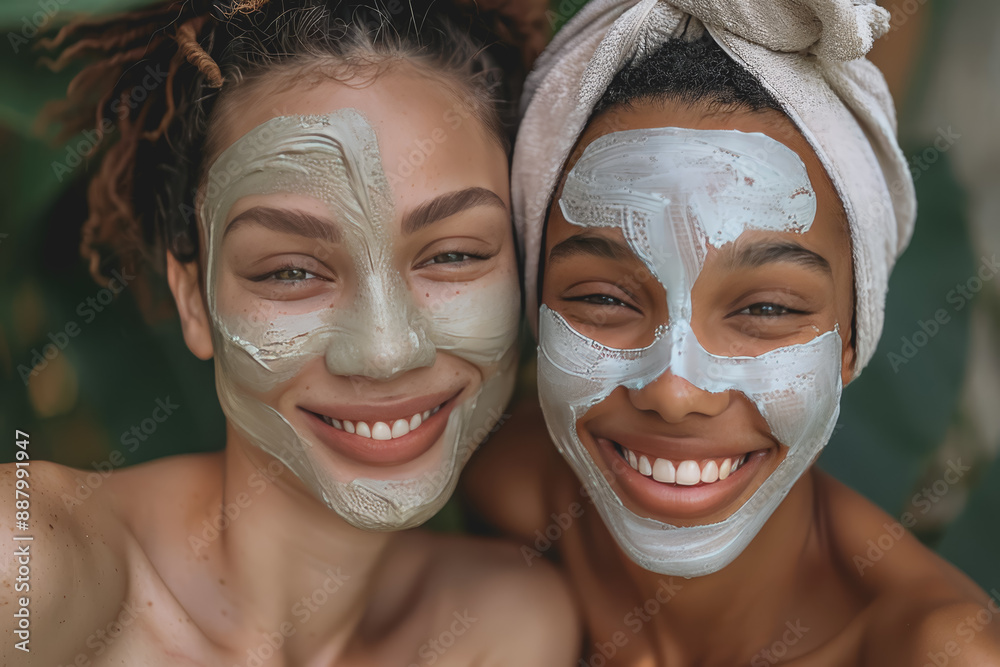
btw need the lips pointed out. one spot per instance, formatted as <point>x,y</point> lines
<point>699,492</point>
<point>384,434</point>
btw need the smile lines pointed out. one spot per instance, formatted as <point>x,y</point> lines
<point>381,430</point>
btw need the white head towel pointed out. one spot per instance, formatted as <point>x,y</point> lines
<point>808,53</point>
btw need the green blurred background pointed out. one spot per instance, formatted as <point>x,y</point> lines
<point>901,423</point>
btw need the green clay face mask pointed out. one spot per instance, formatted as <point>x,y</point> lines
<point>380,333</point>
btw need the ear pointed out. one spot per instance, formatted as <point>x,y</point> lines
<point>186,287</point>
<point>847,359</point>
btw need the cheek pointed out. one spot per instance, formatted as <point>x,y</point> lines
<point>235,306</point>
<point>476,321</point>
<point>261,345</point>
<point>240,314</point>
<point>611,406</point>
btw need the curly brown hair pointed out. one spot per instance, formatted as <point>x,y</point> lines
<point>153,141</point>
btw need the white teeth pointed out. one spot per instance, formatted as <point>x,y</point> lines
<point>644,467</point>
<point>400,427</point>
<point>663,471</point>
<point>688,473</point>
<point>381,431</point>
<point>685,473</point>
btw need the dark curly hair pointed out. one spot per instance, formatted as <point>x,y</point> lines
<point>155,141</point>
<point>694,71</point>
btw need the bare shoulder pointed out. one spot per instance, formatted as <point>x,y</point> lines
<point>937,626</point>
<point>487,593</point>
<point>71,570</point>
<point>923,610</point>
<point>510,596</point>
<point>186,480</point>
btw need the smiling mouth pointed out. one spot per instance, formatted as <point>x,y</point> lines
<point>389,429</point>
<point>689,472</point>
<point>385,435</point>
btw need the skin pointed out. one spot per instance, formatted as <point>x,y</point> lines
<point>288,580</point>
<point>797,594</point>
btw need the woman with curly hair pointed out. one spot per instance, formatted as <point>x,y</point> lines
<point>325,186</point>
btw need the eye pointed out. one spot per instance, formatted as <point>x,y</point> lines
<point>287,275</point>
<point>452,258</point>
<point>600,300</point>
<point>767,310</point>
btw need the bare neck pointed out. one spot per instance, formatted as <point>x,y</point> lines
<point>290,571</point>
<point>727,616</point>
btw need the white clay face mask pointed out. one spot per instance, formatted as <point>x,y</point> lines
<point>381,333</point>
<point>673,192</point>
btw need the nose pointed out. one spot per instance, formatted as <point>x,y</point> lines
<point>674,398</point>
<point>389,337</point>
<point>387,354</point>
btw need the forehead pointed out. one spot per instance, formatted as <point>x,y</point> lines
<point>829,228</point>
<point>650,115</point>
<point>429,140</point>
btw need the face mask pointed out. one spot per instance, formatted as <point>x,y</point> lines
<point>382,333</point>
<point>673,192</point>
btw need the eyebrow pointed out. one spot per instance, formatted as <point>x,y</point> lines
<point>591,245</point>
<point>449,204</point>
<point>288,221</point>
<point>754,255</point>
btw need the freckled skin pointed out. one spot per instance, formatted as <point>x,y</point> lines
<point>228,558</point>
<point>369,268</point>
<point>814,587</point>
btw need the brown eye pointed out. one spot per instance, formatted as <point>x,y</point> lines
<point>449,258</point>
<point>766,310</point>
<point>288,274</point>
<point>291,275</point>
<point>600,300</point>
